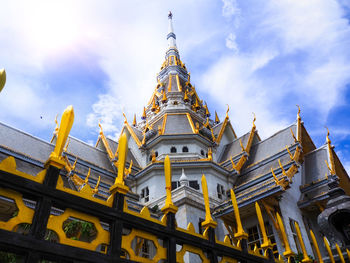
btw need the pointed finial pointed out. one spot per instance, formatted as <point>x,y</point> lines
<point>154,107</point>
<point>144,116</point>
<point>327,137</point>
<point>95,190</point>
<point>266,241</point>
<point>298,112</point>
<point>217,120</point>
<point>318,253</point>
<point>306,258</point>
<point>196,105</point>
<point>288,253</point>
<point>171,37</point>
<point>240,234</point>
<point>67,120</point>
<point>228,109</point>
<point>209,222</point>
<point>207,113</point>
<point>87,176</point>
<point>169,206</point>
<point>186,99</point>
<point>170,15</point>
<point>254,120</point>
<point>134,121</point>
<point>125,119</point>
<point>119,184</point>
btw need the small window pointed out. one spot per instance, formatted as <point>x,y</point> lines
<point>202,152</point>
<point>150,158</point>
<point>194,184</point>
<point>145,194</point>
<point>220,191</point>
<point>173,149</point>
<point>175,184</point>
<point>156,153</point>
<point>185,149</point>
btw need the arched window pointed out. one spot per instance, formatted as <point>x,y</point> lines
<point>173,149</point>
<point>156,153</point>
<point>185,149</point>
<point>202,152</point>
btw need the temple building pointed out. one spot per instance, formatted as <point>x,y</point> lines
<point>286,174</point>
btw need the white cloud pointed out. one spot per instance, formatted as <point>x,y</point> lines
<point>286,59</point>
<point>231,42</point>
<point>107,110</point>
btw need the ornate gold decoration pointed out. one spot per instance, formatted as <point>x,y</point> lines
<point>55,223</point>
<point>142,236</point>
<point>217,120</point>
<point>9,165</point>
<point>306,258</point>
<point>187,248</point>
<point>169,206</point>
<point>24,215</point>
<point>2,79</point>
<point>331,168</point>
<point>134,121</point>
<point>186,99</point>
<point>105,143</point>
<point>209,222</point>
<point>325,241</point>
<point>339,253</point>
<point>144,116</point>
<point>55,132</point>
<point>281,182</point>
<point>67,120</point>
<point>266,241</point>
<point>288,253</point>
<point>240,234</point>
<point>320,260</point>
<point>119,185</point>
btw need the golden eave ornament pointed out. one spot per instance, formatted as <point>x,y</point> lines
<point>209,222</point>
<point>2,79</point>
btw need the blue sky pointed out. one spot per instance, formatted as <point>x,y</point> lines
<point>262,56</point>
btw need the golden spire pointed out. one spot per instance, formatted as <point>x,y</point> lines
<point>196,105</point>
<point>95,190</point>
<point>66,124</point>
<point>186,99</point>
<point>301,242</point>
<point>164,98</point>
<point>329,250</point>
<point>217,120</point>
<point>134,121</point>
<point>207,113</point>
<point>154,107</point>
<point>320,260</point>
<point>87,177</point>
<point>119,185</point>
<point>331,168</point>
<point>169,206</point>
<point>209,222</point>
<point>266,241</point>
<point>254,120</point>
<point>144,116</point>
<point>228,109</point>
<point>207,124</point>
<point>66,147</point>
<point>339,253</point>
<point>2,79</point>
<point>240,231</point>
<point>125,119</point>
<point>288,252</point>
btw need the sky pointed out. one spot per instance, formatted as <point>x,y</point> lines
<point>102,57</point>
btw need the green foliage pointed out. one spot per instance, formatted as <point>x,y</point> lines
<point>6,257</point>
<point>78,230</point>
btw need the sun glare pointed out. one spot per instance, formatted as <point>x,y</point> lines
<point>51,25</point>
